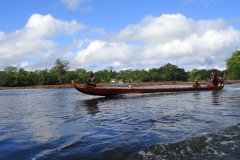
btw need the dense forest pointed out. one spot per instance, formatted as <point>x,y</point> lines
<point>60,74</point>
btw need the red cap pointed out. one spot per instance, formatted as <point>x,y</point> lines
<point>213,69</point>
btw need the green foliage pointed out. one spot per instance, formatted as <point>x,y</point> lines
<point>203,75</point>
<point>233,65</point>
<point>59,74</point>
<point>9,79</point>
<point>172,73</point>
<point>195,75</point>
<point>103,76</point>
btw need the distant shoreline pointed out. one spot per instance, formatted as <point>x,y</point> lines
<point>109,84</point>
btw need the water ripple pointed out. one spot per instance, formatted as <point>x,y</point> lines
<point>65,124</point>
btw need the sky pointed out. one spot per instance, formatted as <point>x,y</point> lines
<point>123,34</point>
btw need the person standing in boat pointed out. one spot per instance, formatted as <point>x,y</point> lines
<point>91,81</point>
<point>196,84</point>
<point>225,76</point>
<point>214,77</point>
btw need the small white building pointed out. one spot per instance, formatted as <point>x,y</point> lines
<point>113,80</point>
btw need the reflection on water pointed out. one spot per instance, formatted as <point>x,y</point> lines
<point>216,96</point>
<point>92,106</point>
<point>196,95</point>
<point>66,124</point>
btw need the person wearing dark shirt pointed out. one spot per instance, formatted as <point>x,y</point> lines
<point>214,78</point>
<point>196,84</point>
<point>91,81</point>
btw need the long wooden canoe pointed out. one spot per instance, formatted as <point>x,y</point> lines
<point>111,91</point>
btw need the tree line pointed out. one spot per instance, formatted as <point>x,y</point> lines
<point>60,74</point>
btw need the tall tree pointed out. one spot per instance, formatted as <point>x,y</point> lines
<point>22,79</point>
<point>233,65</point>
<point>11,69</point>
<point>59,69</point>
<point>61,66</point>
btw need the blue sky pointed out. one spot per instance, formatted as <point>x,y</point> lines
<point>125,34</point>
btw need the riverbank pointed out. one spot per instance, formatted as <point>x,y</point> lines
<point>109,84</point>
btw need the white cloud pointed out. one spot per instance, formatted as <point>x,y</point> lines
<point>176,37</point>
<point>1,35</point>
<point>98,30</point>
<point>102,52</point>
<point>157,29</point>
<point>116,64</point>
<point>34,41</point>
<point>39,26</point>
<point>153,42</point>
<point>73,4</point>
<point>24,64</point>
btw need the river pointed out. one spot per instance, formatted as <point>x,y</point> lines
<point>66,124</point>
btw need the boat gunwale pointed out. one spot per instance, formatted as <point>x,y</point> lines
<point>112,91</point>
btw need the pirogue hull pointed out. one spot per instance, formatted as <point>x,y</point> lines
<point>111,91</point>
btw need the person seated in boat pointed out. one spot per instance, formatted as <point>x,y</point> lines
<point>220,81</point>
<point>196,84</point>
<point>213,76</point>
<point>91,81</point>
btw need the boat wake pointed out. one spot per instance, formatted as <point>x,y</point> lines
<point>236,88</point>
<point>221,144</point>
